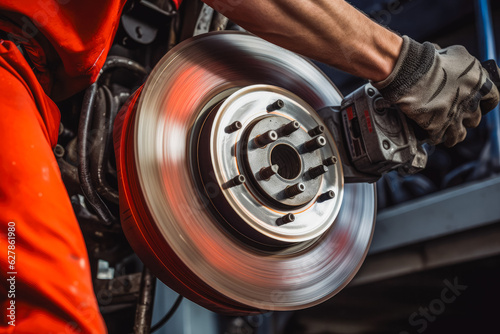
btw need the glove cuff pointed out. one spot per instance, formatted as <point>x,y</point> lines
<point>414,61</point>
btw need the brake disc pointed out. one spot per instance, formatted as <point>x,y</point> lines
<point>231,189</point>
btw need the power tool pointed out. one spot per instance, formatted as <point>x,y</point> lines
<point>377,136</point>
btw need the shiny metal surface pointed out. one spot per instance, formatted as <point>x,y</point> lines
<point>230,156</point>
<point>181,90</point>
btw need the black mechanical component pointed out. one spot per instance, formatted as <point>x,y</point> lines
<point>59,151</point>
<point>315,143</point>
<point>328,195</point>
<point>238,180</point>
<point>317,171</point>
<point>122,290</point>
<point>209,20</point>
<point>288,218</point>
<point>296,189</point>
<point>266,138</point>
<point>266,172</point>
<point>316,131</point>
<point>144,311</point>
<point>86,116</point>
<point>289,128</point>
<point>276,105</point>
<point>234,127</point>
<point>330,161</point>
<point>143,19</point>
<point>83,171</point>
<point>377,137</point>
<point>104,114</point>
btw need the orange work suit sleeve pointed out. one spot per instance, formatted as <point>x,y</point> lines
<point>53,289</point>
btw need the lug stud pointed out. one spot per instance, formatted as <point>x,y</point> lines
<point>276,105</point>
<point>317,171</point>
<point>266,138</point>
<point>328,195</point>
<point>288,218</point>
<point>330,161</point>
<point>315,143</point>
<point>295,190</point>
<point>267,172</point>
<point>238,180</point>
<point>233,127</point>
<point>316,131</point>
<point>289,128</point>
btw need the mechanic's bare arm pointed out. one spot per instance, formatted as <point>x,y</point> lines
<point>331,31</point>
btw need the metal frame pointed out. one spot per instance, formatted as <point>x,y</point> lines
<point>447,212</point>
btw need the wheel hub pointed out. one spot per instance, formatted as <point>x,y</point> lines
<point>271,164</point>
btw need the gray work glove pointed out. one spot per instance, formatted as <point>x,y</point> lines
<point>444,90</point>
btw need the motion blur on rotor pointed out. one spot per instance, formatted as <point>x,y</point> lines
<point>231,186</point>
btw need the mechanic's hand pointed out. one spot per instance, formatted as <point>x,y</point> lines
<point>444,90</point>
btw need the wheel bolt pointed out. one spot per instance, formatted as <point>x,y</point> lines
<point>330,161</point>
<point>316,131</point>
<point>317,171</point>
<point>288,218</point>
<point>233,127</point>
<point>276,105</point>
<point>328,195</point>
<point>267,172</point>
<point>238,180</point>
<point>295,190</point>
<point>315,143</point>
<point>266,138</point>
<point>289,128</point>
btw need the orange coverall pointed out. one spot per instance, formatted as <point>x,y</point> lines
<point>52,288</point>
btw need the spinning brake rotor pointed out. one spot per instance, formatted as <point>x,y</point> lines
<point>231,187</point>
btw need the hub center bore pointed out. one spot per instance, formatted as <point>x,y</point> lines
<point>288,161</point>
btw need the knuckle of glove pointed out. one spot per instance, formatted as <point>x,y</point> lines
<point>472,120</point>
<point>454,135</point>
<point>455,54</point>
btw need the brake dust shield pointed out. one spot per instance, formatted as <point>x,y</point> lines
<point>231,188</point>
